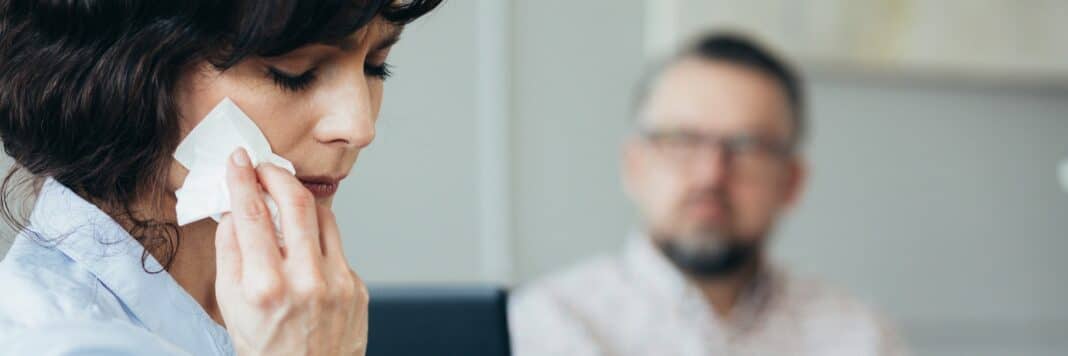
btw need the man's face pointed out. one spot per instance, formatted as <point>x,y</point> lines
<point>713,164</point>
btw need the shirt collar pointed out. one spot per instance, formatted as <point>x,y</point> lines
<point>93,240</point>
<point>654,271</point>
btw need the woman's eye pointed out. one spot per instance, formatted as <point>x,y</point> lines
<point>291,82</point>
<point>380,71</point>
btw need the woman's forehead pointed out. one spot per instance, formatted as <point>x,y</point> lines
<point>378,34</point>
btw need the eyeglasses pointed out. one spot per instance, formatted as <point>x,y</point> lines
<point>742,154</point>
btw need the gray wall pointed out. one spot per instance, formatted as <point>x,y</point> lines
<point>572,91</point>
<point>939,203</point>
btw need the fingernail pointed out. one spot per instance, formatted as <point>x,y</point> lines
<point>240,158</point>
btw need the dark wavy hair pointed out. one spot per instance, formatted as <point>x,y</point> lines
<point>87,87</point>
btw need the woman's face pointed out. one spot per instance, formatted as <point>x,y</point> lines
<point>316,105</point>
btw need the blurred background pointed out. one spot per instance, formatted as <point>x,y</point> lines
<point>936,130</point>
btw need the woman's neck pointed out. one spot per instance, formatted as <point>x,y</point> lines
<point>193,266</point>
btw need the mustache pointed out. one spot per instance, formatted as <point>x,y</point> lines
<point>707,195</point>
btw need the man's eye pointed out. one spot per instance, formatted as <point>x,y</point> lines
<point>682,139</point>
<point>742,144</point>
<point>291,82</point>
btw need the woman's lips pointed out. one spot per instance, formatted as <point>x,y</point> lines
<point>321,187</point>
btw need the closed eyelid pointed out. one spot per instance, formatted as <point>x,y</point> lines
<point>292,65</point>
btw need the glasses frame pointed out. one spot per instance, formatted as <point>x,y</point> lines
<point>731,146</point>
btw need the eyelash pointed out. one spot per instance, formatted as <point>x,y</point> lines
<point>291,82</point>
<point>381,72</point>
<point>304,80</point>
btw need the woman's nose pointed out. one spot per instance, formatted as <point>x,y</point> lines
<point>348,115</point>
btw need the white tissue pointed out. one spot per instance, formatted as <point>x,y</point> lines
<point>206,151</point>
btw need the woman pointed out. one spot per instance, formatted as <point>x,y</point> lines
<point>95,97</point>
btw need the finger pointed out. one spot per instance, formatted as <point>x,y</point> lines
<point>331,237</point>
<point>296,205</point>
<point>251,219</point>
<point>227,253</point>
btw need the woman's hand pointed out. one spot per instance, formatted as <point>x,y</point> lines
<point>298,300</point>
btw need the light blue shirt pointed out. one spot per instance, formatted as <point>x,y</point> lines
<point>74,284</point>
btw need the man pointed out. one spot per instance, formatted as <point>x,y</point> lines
<point>712,166</point>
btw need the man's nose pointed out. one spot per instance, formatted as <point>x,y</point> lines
<point>710,164</point>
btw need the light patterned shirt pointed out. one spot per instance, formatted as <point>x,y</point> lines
<point>638,303</point>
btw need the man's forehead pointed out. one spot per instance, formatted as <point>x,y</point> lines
<point>716,95</point>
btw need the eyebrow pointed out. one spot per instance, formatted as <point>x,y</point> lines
<point>391,35</point>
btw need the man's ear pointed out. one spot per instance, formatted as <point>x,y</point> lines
<point>632,165</point>
<point>796,180</point>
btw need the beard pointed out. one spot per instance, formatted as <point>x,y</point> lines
<point>709,252</point>
<point>712,263</point>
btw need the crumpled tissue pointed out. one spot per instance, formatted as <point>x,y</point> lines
<point>206,151</point>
